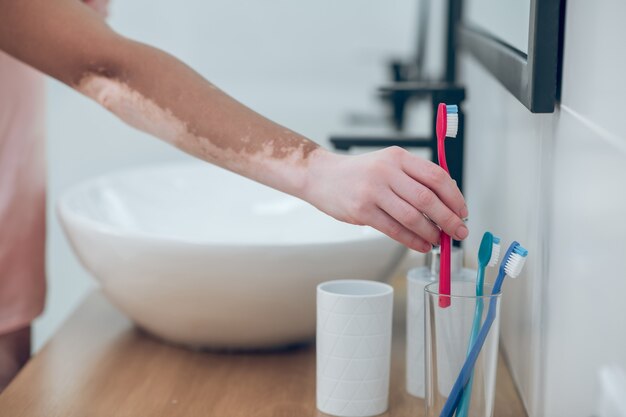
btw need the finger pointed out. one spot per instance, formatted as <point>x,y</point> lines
<point>409,217</point>
<point>426,201</point>
<point>438,180</point>
<point>383,222</point>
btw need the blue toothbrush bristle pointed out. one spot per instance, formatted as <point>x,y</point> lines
<point>496,240</point>
<point>520,250</point>
<point>452,126</point>
<point>515,263</point>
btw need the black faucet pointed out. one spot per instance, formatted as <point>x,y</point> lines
<point>439,93</point>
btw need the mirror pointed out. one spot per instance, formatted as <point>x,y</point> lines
<point>518,41</point>
<point>503,19</point>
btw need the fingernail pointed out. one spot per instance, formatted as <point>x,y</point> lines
<point>461,232</point>
<point>464,212</point>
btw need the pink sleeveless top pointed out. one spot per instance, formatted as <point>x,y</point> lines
<point>22,194</point>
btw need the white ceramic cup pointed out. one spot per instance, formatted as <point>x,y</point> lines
<point>353,347</point>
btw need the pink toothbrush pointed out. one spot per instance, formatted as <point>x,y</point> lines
<point>447,125</point>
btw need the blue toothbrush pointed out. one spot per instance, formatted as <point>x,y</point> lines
<point>488,255</point>
<point>511,265</point>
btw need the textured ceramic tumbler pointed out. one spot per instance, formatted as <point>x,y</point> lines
<point>353,347</point>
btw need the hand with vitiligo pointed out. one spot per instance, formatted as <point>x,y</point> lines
<point>400,194</point>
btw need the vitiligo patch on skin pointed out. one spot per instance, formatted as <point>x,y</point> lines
<point>145,114</point>
<point>132,107</point>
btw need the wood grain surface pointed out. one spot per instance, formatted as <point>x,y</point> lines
<point>98,364</point>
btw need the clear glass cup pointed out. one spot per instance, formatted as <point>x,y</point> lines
<point>447,337</point>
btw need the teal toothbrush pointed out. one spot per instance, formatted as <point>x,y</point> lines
<point>488,254</point>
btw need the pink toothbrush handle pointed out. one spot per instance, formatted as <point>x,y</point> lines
<point>444,259</point>
<point>444,271</point>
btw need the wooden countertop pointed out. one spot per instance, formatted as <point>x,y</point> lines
<point>98,364</point>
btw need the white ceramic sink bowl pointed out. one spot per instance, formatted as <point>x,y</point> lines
<point>200,256</point>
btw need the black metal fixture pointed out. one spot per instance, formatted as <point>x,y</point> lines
<point>408,84</point>
<point>439,93</point>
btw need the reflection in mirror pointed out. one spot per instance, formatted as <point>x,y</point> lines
<point>506,20</point>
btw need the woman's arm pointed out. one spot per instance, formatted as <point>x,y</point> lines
<point>153,91</point>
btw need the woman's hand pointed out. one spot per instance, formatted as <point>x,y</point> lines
<point>100,6</point>
<point>402,195</point>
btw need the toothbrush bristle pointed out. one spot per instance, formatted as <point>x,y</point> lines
<point>520,250</point>
<point>515,263</point>
<point>452,108</point>
<point>452,127</point>
<point>495,253</point>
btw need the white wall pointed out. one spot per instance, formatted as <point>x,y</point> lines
<point>305,64</point>
<point>556,183</point>
<point>504,180</point>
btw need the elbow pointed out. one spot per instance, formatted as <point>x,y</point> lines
<point>101,61</point>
